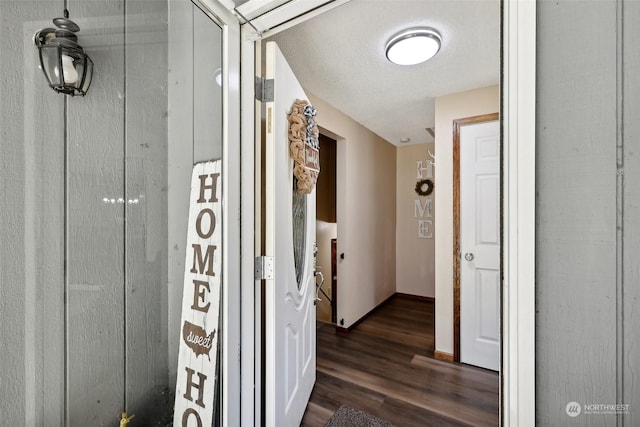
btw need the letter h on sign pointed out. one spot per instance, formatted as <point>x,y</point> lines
<point>211,187</point>
<point>422,169</point>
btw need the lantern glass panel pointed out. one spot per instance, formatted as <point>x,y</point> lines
<point>73,63</point>
<point>50,61</point>
<point>87,75</point>
<point>80,68</point>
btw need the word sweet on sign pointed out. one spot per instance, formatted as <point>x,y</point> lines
<point>423,209</point>
<point>198,355</point>
<point>197,339</point>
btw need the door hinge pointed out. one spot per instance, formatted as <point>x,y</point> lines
<point>264,268</point>
<point>264,89</point>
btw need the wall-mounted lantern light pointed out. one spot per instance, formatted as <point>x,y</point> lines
<point>65,64</point>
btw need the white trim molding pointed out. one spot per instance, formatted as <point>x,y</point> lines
<point>230,365</point>
<point>269,17</point>
<point>518,296</point>
<point>250,309</point>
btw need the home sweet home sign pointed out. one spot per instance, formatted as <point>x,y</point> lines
<point>198,354</point>
<point>423,208</point>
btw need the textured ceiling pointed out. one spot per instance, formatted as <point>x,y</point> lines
<point>339,57</point>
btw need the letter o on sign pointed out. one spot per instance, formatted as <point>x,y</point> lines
<point>212,223</point>
<point>185,417</point>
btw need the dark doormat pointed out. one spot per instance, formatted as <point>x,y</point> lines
<point>346,416</point>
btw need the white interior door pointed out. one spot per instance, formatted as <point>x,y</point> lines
<point>480,244</point>
<point>290,360</point>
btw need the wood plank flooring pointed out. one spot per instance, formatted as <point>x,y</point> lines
<point>385,367</point>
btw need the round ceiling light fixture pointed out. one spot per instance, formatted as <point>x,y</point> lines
<point>413,46</point>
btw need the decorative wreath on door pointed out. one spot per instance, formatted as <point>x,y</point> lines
<point>304,146</point>
<point>420,187</point>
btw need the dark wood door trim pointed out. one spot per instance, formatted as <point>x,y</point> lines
<point>457,124</point>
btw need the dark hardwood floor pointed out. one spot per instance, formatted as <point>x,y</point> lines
<point>385,367</point>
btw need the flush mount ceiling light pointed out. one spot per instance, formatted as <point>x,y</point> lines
<point>413,46</point>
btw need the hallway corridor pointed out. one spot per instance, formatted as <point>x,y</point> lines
<point>385,367</point>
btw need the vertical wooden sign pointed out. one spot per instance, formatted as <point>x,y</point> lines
<point>424,211</point>
<point>198,355</point>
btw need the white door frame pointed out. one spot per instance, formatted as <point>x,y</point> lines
<point>518,144</point>
<point>518,293</point>
<point>231,268</point>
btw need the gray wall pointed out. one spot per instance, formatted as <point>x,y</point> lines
<point>588,210</point>
<point>83,291</point>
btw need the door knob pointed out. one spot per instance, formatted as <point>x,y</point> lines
<point>469,256</point>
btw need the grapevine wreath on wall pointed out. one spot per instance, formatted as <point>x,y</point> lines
<point>420,187</point>
<point>304,146</point>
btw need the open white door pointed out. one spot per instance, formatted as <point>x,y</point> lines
<point>480,245</point>
<point>290,316</point>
